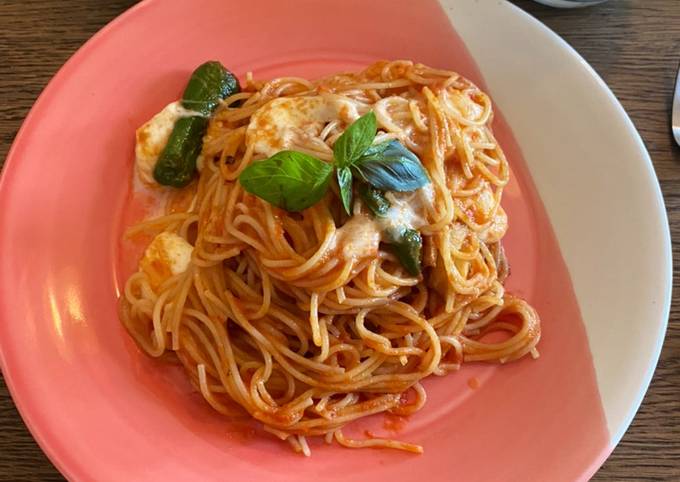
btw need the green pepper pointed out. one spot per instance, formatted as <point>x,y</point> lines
<point>407,244</point>
<point>209,83</point>
<point>374,199</point>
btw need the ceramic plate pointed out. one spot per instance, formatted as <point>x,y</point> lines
<point>589,247</point>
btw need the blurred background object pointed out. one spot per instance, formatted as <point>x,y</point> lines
<point>570,3</point>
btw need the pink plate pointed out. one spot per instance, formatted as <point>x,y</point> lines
<point>101,410</point>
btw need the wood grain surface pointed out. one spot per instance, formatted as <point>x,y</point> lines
<point>633,44</point>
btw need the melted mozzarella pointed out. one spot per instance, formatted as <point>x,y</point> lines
<point>152,137</point>
<point>167,255</point>
<point>284,122</point>
<point>359,237</point>
<point>408,209</point>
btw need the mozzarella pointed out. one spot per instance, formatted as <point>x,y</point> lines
<point>167,255</point>
<point>286,121</point>
<point>408,209</point>
<point>358,238</point>
<point>152,137</point>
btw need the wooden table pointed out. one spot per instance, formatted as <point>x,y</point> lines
<point>633,44</point>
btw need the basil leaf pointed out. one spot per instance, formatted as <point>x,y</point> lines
<point>355,140</point>
<point>290,180</point>
<point>376,151</point>
<point>390,166</point>
<point>345,185</point>
<point>374,199</point>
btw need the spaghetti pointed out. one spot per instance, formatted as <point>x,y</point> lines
<point>305,320</point>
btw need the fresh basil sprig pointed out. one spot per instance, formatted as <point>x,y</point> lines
<point>344,175</point>
<point>290,180</point>
<point>389,166</point>
<point>295,181</point>
<point>348,148</point>
<point>356,139</point>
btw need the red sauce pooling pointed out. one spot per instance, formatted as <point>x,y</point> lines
<point>394,423</point>
<point>473,383</point>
